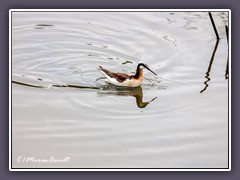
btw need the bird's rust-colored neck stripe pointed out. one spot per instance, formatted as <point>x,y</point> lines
<point>139,73</point>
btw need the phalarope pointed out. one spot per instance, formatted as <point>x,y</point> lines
<point>121,79</point>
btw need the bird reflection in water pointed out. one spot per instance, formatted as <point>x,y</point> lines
<point>126,91</point>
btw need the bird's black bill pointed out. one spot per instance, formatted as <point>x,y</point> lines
<point>151,71</point>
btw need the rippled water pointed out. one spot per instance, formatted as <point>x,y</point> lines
<point>62,106</point>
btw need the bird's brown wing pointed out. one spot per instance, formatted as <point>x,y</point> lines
<point>120,77</point>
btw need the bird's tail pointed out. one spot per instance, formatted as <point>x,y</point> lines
<point>100,68</point>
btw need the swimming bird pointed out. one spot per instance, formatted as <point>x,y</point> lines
<point>121,79</point>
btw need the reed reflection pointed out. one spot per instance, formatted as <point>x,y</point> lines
<point>207,76</point>
<point>226,71</point>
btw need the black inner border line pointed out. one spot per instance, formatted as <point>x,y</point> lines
<point>116,11</point>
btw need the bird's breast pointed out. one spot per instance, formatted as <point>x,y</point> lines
<point>132,82</point>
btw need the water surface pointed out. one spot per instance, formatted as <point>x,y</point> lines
<point>62,106</point>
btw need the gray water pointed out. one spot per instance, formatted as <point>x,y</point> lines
<point>62,106</point>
